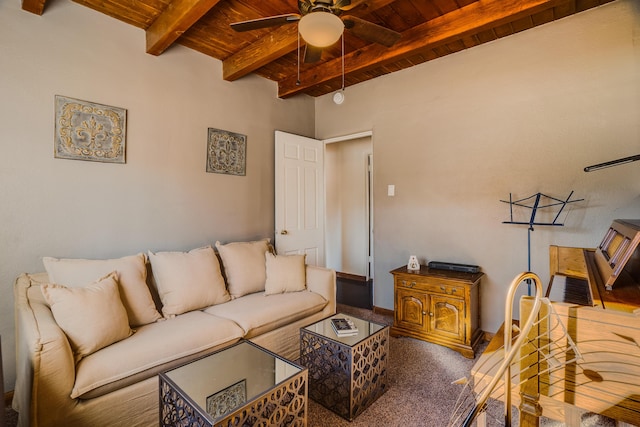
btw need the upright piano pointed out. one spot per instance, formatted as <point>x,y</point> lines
<point>607,276</point>
<point>596,295</point>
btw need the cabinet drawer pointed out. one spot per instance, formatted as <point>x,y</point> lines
<point>432,286</point>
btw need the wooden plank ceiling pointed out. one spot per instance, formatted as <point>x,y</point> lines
<point>429,29</point>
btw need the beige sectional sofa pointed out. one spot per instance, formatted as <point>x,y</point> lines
<point>92,335</point>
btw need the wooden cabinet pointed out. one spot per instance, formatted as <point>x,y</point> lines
<point>439,306</point>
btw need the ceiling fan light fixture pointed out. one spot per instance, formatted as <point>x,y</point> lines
<point>320,28</point>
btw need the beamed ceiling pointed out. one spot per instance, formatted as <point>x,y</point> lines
<point>429,29</point>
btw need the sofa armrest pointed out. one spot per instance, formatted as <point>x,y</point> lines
<point>323,281</point>
<point>45,369</point>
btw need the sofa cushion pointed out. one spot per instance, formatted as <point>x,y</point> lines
<point>152,349</point>
<point>188,280</point>
<point>257,314</point>
<point>92,317</point>
<point>285,273</point>
<point>244,266</point>
<point>132,279</point>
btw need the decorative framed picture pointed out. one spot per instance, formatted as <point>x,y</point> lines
<point>226,152</point>
<point>227,400</point>
<point>89,131</point>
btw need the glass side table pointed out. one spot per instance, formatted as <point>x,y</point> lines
<point>346,374</point>
<point>240,385</point>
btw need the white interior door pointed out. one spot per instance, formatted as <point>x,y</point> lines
<point>299,192</point>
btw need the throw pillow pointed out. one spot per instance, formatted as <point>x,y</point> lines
<point>244,266</point>
<point>188,280</point>
<point>132,279</point>
<point>92,316</point>
<point>285,273</point>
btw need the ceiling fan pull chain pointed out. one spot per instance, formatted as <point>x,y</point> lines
<point>338,97</point>
<point>343,61</point>
<point>298,76</point>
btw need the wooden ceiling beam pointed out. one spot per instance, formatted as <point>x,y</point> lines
<point>460,23</point>
<point>267,49</point>
<point>276,44</point>
<point>34,6</point>
<point>177,18</point>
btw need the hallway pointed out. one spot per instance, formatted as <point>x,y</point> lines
<point>356,293</point>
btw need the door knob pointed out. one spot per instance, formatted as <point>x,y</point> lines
<point>284,232</point>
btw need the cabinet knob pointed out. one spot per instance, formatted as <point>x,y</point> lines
<point>404,283</point>
<point>430,314</point>
<point>424,313</point>
<point>442,288</point>
<point>413,284</point>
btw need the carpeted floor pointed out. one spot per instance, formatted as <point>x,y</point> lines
<point>420,390</point>
<point>11,418</point>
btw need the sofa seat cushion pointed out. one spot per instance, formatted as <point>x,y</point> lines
<point>258,313</point>
<point>153,348</point>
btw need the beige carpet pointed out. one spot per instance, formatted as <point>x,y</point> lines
<point>420,390</point>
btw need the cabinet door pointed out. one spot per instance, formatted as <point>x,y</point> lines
<point>411,309</point>
<point>447,317</point>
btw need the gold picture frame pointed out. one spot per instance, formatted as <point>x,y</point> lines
<point>89,131</point>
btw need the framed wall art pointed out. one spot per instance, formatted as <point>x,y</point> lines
<point>89,131</point>
<point>225,401</point>
<point>226,152</point>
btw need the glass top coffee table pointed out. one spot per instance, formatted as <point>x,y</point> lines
<point>240,385</point>
<point>346,374</point>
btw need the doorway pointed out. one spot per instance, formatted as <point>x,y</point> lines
<point>349,218</point>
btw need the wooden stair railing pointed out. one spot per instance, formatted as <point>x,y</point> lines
<point>517,364</point>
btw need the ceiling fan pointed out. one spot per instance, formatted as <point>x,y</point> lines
<point>321,23</point>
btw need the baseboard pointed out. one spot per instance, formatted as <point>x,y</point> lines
<point>382,311</point>
<point>350,276</point>
<point>8,398</point>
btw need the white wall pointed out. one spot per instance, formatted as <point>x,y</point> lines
<point>347,227</point>
<point>455,135</point>
<point>520,115</point>
<point>162,198</point>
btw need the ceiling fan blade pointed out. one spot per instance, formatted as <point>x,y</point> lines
<point>348,4</point>
<point>271,21</point>
<point>312,54</point>
<point>371,32</point>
